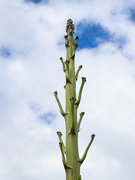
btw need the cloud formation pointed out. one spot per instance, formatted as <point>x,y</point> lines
<point>31,42</point>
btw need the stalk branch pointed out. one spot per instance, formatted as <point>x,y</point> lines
<point>76,76</point>
<point>80,120</point>
<point>74,50</point>
<point>60,139</point>
<point>63,157</point>
<point>59,104</point>
<point>85,153</point>
<point>80,91</point>
<point>76,39</point>
<point>67,42</point>
<point>74,47</point>
<point>73,126</point>
<point>61,59</point>
<point>67,69</point>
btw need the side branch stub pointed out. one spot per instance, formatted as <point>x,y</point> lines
<point>80,91</point>
<point>76,76</point>
<point>61,59</point>
<point>59,104</point>
<point>60,139</point>
<point>86,151</point>
<point>63,157</point>
<point>80,120</point>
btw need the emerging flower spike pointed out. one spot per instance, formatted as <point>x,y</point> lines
<point>70,151</point>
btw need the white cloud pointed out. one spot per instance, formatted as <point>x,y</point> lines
<point>33,33</point>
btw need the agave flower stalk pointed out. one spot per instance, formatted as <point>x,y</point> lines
<point>70,153</point>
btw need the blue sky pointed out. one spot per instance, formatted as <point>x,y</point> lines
<point>34,1</point>
<point>48,118</point>
<point>92,35</point>
<point>5,52</point>
<point>37,1</point>
<point>132,15</point>
<point>31,42</point>
<point>45,117</point>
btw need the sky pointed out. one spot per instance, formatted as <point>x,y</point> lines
<point>31,43</point>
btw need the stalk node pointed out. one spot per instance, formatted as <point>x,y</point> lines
<point>72,130</point>
<point>72,57</point>
<point>79,178</point>
<point>72,99</point>
<point>67,45</point>
<point>66,36</point>
<point>67,167</point>
<point>68,81</point>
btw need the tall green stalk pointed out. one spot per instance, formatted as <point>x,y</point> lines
<point>70,153</point>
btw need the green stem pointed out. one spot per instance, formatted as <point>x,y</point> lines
<point>76,76</point>
<point>86,151</point>
<point>60,139</point>
<point>72,113</point>
<point>61,59</point>
<point>67,70</point>
<point>80,91</point>
<point>67,41</point>
<point>59,104</point>
<point>76,39</point>
<point>63,156</point>
<point>75,46</point>
<point>80,120</point>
